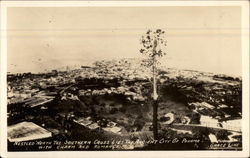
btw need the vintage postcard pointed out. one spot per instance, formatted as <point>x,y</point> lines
<point>125,79</point>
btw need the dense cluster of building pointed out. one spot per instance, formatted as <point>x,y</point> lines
<point>113,97</point>
<point>217,96</point>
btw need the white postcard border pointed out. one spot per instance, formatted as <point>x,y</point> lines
<point>108,154</point>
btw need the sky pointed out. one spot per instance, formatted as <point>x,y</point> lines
<point>204,38</point>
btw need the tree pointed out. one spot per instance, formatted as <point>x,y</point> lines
<point>154,44</point>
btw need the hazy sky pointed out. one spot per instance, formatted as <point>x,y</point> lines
<point>201,38</point>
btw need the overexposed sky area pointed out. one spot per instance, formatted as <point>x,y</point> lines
<point>204,38</point>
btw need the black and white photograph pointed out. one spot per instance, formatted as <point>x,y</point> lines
<point>124,78</point>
